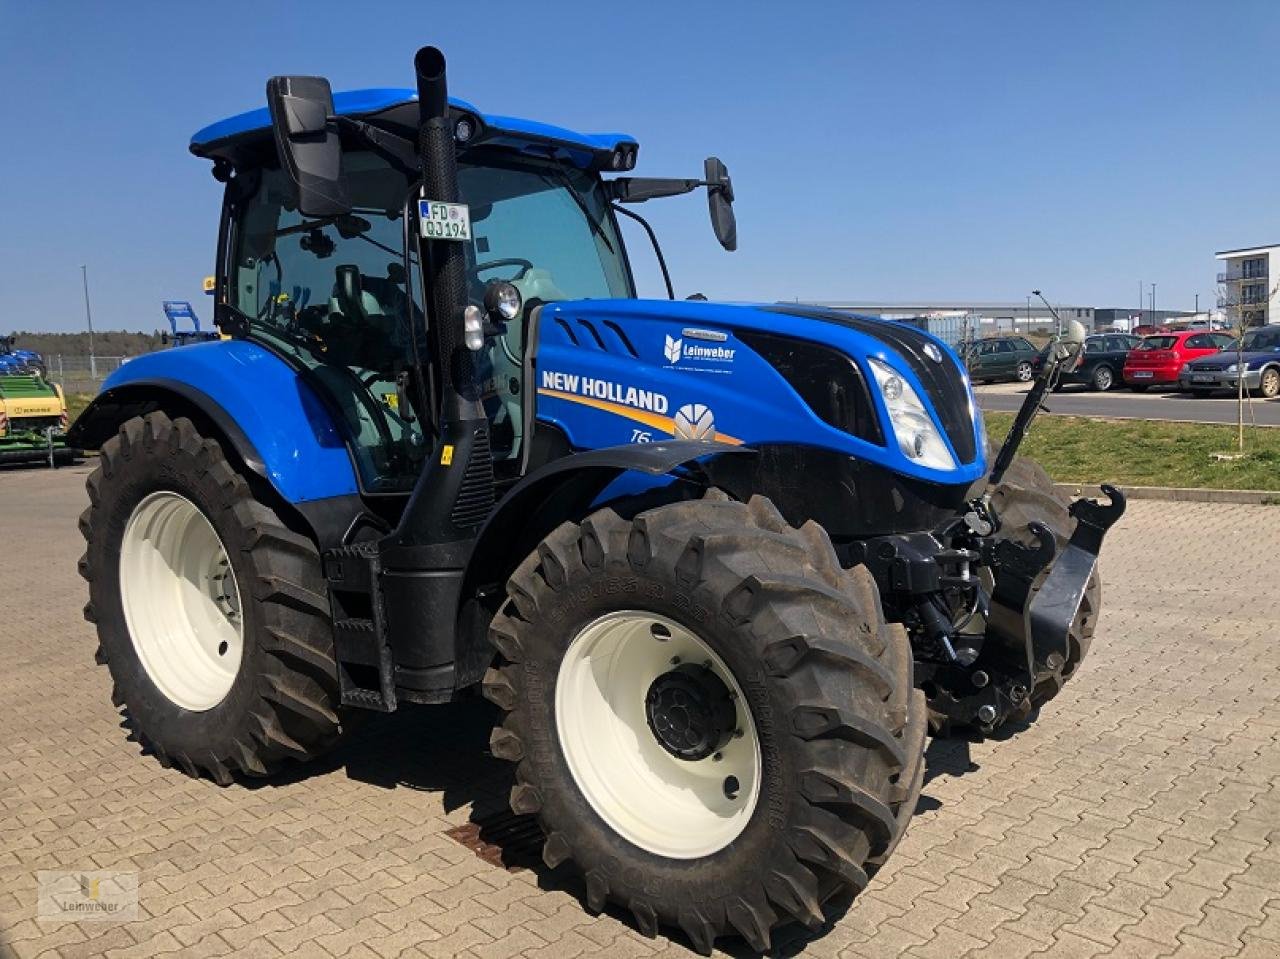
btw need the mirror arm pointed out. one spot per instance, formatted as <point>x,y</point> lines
<point>657,249</point>
<point>629,189</point>
<point>401,152</point>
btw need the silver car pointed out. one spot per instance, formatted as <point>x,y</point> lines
<point>1257,359</point>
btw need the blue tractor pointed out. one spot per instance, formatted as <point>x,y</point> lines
<point>185,324</point>
<point>22,362</point>
<point>721,567</point>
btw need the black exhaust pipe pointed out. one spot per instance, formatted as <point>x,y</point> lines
<point>422,561</point>
<point>446,276</point>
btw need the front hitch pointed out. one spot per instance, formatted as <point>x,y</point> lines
<point>1054,607</point>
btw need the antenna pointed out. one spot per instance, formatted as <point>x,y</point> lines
<point>1056,317</point>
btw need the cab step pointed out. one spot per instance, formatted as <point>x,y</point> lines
<point>365,669</point>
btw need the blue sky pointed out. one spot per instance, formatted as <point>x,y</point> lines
<point>908,150</point>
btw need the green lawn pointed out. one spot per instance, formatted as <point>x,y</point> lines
<point>76,402</point>
<point>1137,453</point>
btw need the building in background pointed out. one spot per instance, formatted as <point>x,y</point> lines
<point>954,322</point>
<point>1249,286</point>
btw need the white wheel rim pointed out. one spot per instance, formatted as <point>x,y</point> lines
<point>679,808</point>
<point>1024,371</point>
<point>181,601</point>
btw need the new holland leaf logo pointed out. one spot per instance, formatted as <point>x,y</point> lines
<point>672,349</point>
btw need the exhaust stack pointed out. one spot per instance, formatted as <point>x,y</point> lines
<point>444,262</point>
<point>423,559</point>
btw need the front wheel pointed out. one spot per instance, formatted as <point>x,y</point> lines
<point>713,722</point>
<point>1269,387</point>
<point>211,614</point>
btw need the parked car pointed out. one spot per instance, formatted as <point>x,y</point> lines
<point>1099,364</point>
<point>1258,355</point>
<point>1158,359</point>
<point>1001,358</point>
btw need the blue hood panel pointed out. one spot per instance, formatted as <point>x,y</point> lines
<point>624,371</point>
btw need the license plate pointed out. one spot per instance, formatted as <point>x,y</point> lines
<point>1143,374</point>
<point>1201,378</point>
<point>444,221</point>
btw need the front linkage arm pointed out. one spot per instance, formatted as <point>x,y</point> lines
<point>1054,607</point>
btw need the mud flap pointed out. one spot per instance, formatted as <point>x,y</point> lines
<point>1054,606</point>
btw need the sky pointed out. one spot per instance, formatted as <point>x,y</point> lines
<point>884,151</point>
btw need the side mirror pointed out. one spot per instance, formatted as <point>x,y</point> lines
<point>310,151</point>
<point>720,203</point>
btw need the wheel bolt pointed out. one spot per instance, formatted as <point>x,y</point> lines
<point>986,714</point>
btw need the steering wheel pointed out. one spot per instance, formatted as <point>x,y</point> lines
<point>525,266</point>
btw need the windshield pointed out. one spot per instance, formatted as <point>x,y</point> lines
<point>1157,343</point>
<point>1256,341</point>
<point>548,226</point>
<point>331,292</point>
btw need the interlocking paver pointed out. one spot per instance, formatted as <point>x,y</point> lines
<point>1139,816</point>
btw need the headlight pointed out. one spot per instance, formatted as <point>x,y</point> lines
<point>1232,368</point>
<point>917,437</point>
<point>502,300</point>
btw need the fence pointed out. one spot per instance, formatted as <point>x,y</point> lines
<point>81,374</point>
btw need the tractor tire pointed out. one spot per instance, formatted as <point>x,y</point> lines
<point>1027,495</point>
<point>787,682</point>
<point>212,616</point>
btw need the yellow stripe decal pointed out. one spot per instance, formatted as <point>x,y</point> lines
<point>655,420</point>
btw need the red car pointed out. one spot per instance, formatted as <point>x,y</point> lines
<point>1158,359</point>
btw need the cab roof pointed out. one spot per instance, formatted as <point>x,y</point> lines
<point>396,108</point>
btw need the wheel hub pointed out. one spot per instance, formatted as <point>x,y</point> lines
<point>690,711</point>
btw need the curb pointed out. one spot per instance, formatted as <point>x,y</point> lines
<point>1248,497</point>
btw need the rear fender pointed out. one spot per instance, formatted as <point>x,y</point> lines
<point>277,425</point>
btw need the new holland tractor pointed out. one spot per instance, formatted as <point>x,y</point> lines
<point>720,566</point>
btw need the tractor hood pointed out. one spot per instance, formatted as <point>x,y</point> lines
<point>614,371</point>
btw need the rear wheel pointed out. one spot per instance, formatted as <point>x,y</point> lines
<point>1024,372</point>
<point>211,614</point>
<point>1103,379</point>
<point>711,718</point>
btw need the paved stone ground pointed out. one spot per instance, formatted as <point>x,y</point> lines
<point>1139,817</point>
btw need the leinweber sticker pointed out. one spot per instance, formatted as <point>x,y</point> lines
<point>683,354</point>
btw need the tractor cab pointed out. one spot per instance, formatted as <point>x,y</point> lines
<point>333,287</point>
